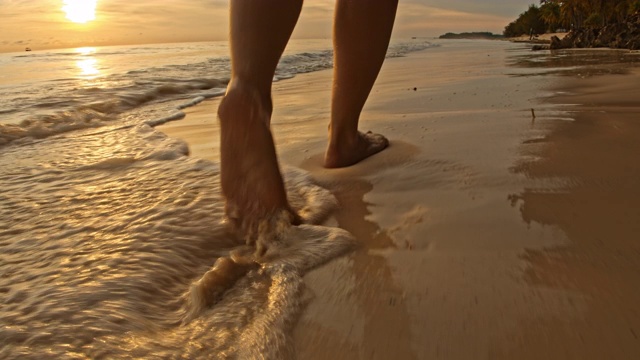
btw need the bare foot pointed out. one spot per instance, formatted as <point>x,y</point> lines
<point>250,176</point>
<point>343,154</point>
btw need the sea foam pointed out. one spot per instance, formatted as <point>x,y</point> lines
<point>109,239</point>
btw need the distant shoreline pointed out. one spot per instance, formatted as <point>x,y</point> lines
<point>543,39</point>
<point>472,36</point>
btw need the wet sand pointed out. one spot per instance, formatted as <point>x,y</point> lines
<point>484,232</point>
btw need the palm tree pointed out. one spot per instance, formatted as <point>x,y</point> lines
<point>571,13</point>
<point>577,13</point>
<point>550,13</point>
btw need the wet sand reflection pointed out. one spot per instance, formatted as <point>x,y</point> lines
<point>595,158</point>
<point>378,300</point>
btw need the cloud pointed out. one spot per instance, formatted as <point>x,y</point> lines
<point>129,21</point>
<point>422,17</point>
<point>116,22</point>
<point>498,8</point>
<point>417,19</point>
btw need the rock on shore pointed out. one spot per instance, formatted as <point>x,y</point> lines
<point>623,35</point>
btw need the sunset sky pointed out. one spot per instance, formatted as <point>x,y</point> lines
<point>43,24</point>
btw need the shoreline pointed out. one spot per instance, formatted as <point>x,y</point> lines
<point>467,243</point>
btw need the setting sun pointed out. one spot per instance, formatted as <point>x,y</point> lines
<point>80,11</point>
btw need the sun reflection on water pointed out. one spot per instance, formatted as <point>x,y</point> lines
<point>88,67</point>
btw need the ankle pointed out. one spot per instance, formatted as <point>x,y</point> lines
<point>342,138</point>
<point>242,97</point>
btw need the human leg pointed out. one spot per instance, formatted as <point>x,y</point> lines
<point>362,30</point>
<point>250,175</point>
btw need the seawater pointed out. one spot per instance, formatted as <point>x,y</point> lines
<point>113,242</point>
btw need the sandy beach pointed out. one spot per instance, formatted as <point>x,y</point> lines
<point>541,38</point>
<point>501,223</point>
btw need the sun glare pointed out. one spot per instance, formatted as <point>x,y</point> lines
<point>87,50</point>
<point>88,67</point>
<point>80,11</point>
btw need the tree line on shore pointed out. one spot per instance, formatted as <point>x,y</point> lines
<point>553,15</point>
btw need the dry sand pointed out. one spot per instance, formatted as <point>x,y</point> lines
<point>485,233</point>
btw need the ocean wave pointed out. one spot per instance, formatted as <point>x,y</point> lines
<point>402,49</point>
<point>306,62</point>
<point>114,103</point>
<point>65,103</point>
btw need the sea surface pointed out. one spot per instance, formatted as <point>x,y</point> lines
<point>113,242</point>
